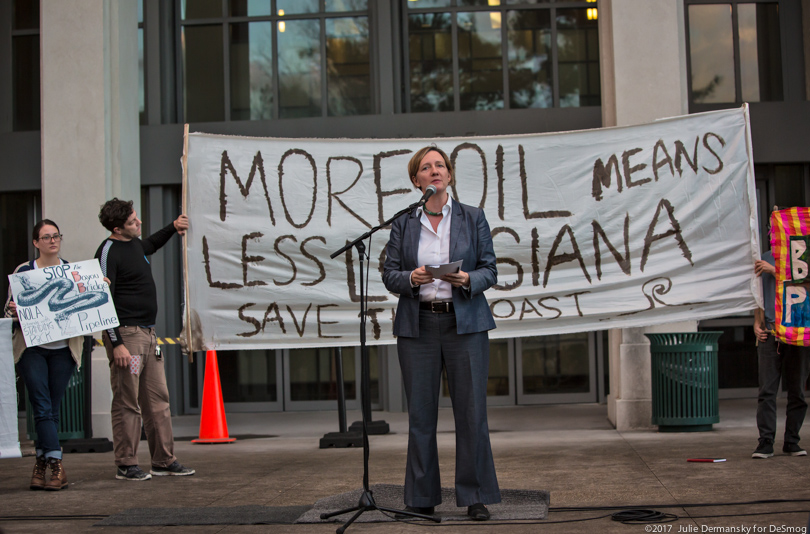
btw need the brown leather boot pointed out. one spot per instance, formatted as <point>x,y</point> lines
<point>38,478</point>
<point>58,477</point>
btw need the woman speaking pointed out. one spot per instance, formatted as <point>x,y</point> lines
<point>444,322</point>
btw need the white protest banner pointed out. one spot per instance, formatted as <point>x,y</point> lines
<point>62,301</point>
<point>597,229</point>
<point>9,435</point>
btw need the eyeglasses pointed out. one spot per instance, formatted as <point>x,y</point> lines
<point>49,238</point>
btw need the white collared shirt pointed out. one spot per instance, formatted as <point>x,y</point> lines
<point>434,249</point>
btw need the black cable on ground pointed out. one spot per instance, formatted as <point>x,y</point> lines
<point>677,505</point>
<point>633,516</point>
<point>640,516</point>
<point>75,517</point>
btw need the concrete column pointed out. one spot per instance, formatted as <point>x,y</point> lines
<point>643,65</point>
<point>90,132</point>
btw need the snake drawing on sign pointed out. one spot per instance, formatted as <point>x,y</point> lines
<point>61,301</point>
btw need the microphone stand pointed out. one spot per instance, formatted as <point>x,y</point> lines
<point>366,502</point>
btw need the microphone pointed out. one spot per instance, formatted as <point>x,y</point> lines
<point>429,192</point>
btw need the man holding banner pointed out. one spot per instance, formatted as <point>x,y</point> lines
<point>136,365</point>
<point>780,353</point>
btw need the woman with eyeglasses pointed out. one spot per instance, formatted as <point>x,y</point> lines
<point>46,369</point>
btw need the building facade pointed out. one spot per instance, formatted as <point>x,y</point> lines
<point>94,95</point>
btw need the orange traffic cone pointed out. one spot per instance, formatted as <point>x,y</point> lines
<point>213,426</point>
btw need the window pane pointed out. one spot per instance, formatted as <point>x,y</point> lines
<point>498,379</point>
<point>346,5</point>
<point>555,364</point>
<point>299,65</point>
<point>17,216</point>
<point>479,2</point>
<point>578,58</point>
<point>736,357</point>
<point>140,11</point>
<point>530,71</point>
<point>25,89</point>
<point>431,62</point>
<point>511,2</point>
<point>250,8</point>
<point>313,374</point>
<point>416,4</point>
<point>204,73</point>
<point>200,9</point>
<point>760,52</point>
<point>290,7</point>
<point>251,71</point>
<point>348,68</point>
<point>26,15</point>
<point>788,186</point>
<point>480,70</point>
<point>248,375</point>
<point>711,53</point>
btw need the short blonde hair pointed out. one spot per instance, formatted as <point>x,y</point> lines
<point>419,155</point>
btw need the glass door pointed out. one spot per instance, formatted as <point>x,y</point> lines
<point>556,369</point>
<point>310,378</point>
<point>250,380</point>
<point>501,381</point>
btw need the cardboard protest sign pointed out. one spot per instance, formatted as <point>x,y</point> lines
<point>596,229</point>
<point>790,244</point>
<point>62,301</point>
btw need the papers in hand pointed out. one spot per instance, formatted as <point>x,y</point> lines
<point>437,271</point>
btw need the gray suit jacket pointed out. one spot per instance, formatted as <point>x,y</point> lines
<point>471,242</point>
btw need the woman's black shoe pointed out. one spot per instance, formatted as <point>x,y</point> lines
<point>478,512</point>
<point>426,510</point>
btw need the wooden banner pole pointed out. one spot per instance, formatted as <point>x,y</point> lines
<point>187,307</point>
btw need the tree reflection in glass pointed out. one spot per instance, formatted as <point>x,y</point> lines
<point>480,73</point>
<point>345,5</point>
<point>290,7</point>
<point>431,62</point>
<point>529,39</point>
<point>577,59</point>
<point>347,64</point>
<point>299,68</point>
<point>251,71</point>
<point>711,51</point>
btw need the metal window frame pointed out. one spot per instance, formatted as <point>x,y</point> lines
<point>7,34</point>
<point>592,395</point>
<point>494,400</point>
<point>312,405</point>
<point>454,9</point>
<point>732,321</point>
<point>784,14</point>
<point>267,406</point>
<point>225,20</point>
<point>6,82</point>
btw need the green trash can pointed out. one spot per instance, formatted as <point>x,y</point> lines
<point>684,381</point>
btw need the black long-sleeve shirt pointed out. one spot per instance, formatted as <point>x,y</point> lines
<point>132,287</point>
